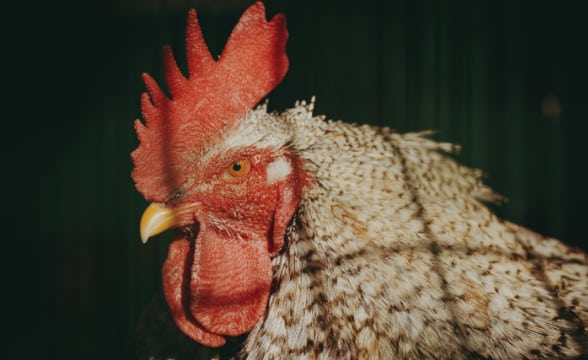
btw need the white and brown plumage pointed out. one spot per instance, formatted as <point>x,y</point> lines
<point>380,245</point>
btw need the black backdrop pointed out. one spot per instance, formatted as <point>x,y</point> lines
<point>505,79</point>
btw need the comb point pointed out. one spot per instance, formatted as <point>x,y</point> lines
<point>155,93</point>
<point>198,55</point>
<point>175,80</point>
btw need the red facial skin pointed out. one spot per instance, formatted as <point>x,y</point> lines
<point>219,283</point>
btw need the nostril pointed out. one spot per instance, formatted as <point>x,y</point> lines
<point>174,197</point>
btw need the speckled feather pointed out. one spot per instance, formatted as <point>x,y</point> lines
<point>393,254</point>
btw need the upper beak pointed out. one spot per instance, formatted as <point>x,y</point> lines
<point>157,218</point>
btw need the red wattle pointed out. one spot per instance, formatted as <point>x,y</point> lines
<point>220,287</point>
<point>174,276</point>
<point>230,282</point>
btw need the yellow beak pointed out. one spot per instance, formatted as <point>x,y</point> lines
<point>157,218</point>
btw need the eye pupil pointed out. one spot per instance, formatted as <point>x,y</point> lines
<point>236,166</point>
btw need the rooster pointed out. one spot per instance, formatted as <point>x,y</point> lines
<point>318,239</point>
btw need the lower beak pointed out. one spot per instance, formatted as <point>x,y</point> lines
<point>157,218</point>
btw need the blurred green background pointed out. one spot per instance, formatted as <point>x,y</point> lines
<point>505,79</point>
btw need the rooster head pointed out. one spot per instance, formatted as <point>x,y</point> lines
<point>207,170</point>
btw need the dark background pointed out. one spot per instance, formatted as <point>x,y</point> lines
<point>505,79</point>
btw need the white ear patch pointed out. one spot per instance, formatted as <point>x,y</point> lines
<point>278,170</point>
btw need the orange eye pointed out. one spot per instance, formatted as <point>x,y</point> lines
<point>239,169</point>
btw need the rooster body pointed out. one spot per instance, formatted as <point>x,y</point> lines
<point>323,239</point>
<point>392,255</point>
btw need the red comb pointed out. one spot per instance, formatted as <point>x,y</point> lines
<point>211,98</point>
